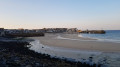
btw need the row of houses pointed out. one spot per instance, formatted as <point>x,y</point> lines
<point>3,31</point>
<point>60,30</point>
<point>44,30</point>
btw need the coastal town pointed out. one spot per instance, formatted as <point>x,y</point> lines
<point>14,53</point>
<point>40,32</point>
<point>59,33</point>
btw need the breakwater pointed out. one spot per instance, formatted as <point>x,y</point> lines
<point>93,31</point>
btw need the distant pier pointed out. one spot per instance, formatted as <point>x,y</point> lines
<point>93,31</point>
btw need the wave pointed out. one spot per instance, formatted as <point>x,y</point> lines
<point>60,37</point>
<point>109,40</point>
<point>80,35</point>
<point>99,39</point>
<point>87,37</point>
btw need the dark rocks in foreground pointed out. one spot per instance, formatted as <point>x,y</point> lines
<point>16,54</point>
<point>25,34</point>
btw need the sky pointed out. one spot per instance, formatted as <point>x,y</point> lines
<point>81,14</point>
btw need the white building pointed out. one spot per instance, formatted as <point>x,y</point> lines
<point>72,30</point>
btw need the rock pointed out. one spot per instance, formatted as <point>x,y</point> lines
<point>38,64</point>
<point>28,65</point>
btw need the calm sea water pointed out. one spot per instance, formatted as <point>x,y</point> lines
<point>111,35</point>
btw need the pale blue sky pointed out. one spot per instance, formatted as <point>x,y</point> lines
<point>83,14</point>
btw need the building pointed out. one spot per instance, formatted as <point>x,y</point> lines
<point>2,33</point>
<point>72,30</point>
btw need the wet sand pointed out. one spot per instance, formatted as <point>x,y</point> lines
<point>72,41</point>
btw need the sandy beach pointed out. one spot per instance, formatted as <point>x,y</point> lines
<point>73,41</point>
<point>78,48</point>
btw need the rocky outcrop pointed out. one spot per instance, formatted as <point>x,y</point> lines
<point>16,54</point>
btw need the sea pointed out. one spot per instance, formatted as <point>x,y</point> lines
<point>109,36</point>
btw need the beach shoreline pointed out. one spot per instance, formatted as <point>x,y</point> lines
<point>73,41</point>
<point>76,48</point>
